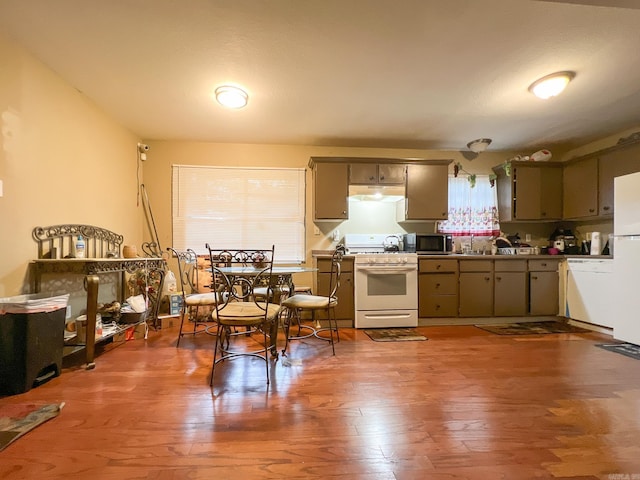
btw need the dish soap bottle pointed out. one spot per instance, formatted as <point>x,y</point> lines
<point>79,247</point>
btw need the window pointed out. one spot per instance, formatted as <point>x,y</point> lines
<point>237,208</point>
<point>472,210</point>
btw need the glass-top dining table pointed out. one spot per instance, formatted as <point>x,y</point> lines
<point>285,273</point>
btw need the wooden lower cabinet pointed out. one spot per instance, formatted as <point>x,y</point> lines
<point>345,309</point>
<point>543,287</point>
<point>476,288</point>
<point>487,287</point>
<point>476,294</point>
<point>510,288</point>
<point>438,288</point>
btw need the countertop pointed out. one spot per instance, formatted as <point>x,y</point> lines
<point>328,253</point>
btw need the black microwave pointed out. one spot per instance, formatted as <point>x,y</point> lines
<point>428,243</point>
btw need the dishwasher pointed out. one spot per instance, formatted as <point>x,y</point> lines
<point>589,290</point>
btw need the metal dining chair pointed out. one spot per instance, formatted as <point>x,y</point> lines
<point>299,303</point>
<point>236,275</point>
<point>192,297</point>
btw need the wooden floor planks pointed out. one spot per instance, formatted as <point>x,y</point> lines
<point>466,404</point>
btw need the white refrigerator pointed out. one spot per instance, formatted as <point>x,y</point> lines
<point>626,258</point>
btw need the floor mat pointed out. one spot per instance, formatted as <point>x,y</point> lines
<point>18,419</point>
<point>532,328</point>
<point>394,334</point>
<point>626,349</point>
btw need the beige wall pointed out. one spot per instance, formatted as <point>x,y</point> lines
<point>62,161</point>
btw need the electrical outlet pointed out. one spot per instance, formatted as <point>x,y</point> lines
<point>68,313</point>
<point>527,237</point>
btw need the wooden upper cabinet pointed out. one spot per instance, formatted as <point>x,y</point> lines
<point>580,189</point>
<point>427,194</point>
<point>533,191</point>
<point>377,174</point>
<point>331,189</point>
<point>611,165</point>
<point>426,185</point>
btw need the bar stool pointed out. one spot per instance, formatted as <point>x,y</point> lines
<point>298,303</point>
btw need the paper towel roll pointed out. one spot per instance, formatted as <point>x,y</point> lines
<point>596,243</point>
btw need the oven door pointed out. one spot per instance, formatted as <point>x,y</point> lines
<point>386,287</point>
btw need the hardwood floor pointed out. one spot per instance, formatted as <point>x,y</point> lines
<point>466,404</point>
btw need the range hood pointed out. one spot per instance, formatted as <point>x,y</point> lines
<point>376,193</point>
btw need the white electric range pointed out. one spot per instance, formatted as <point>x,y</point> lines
<point>386,281</point>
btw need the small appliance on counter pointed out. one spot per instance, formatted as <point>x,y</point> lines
<point>571,245</point>
<point>428,243</point>
<point>565,242</point>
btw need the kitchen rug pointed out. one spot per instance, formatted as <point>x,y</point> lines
<point>626,349</point>
<point>394,334</point>
<point>18,419</point>
<point>532,328</point>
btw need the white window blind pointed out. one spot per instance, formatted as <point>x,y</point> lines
<point>237,208</point>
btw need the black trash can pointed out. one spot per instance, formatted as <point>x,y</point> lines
<point>31,341</point>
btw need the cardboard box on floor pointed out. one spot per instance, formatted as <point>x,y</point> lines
<point>169,321</point>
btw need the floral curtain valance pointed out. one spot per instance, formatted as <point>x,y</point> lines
<point>472,210</point>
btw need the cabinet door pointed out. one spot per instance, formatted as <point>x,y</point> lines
<point>543,293</point>
<point>476,294</point>
<point>427,192</point>
<point>537,192</point>
<point>331,189</point>
<point>580,189</point>
<point>510,294</point>
<point>363,174</point>
<point>345,308</point>
<point>611,165</point>
<point>504,186</point>
<point>551,193</point>
<point>527,186</point>
<point>377,174</point>
<point>391,174</point>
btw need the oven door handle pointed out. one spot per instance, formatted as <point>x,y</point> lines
<point>388,270</point>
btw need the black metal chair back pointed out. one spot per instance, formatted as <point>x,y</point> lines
<point>192,297</point>
<point>236,274</point>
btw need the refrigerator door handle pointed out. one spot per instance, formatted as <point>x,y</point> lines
<point>626,237</point>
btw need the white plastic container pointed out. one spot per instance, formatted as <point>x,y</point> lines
<point>596,243</point>
<point>80,247</point>
<point>541,156</point>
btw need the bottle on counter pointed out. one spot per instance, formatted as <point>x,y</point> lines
<point>79,247</point>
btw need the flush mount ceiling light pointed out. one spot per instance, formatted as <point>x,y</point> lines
<point>231,97</point>
<point>551,85</point>
<point>479,145</point>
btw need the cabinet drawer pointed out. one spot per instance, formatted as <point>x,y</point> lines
<point>437,266</point>
<point>543,265</point>
<point>324,265</point>
<point>439,306</point>
<point>511,265</point>
<point>445,284</point>
<point>476,265</point>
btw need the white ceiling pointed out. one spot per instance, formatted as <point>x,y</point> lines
<point>430,74</point>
